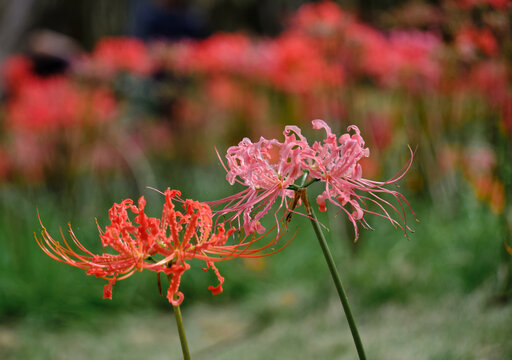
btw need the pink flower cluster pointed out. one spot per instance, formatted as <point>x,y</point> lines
<point>404,58</point>
<point>269,170</point>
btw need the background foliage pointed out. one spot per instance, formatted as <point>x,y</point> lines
<point>91,118</point>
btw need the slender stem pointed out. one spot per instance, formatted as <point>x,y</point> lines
<point>335,276</point>
<point>181,331</point>
<point>181,328</point>
<point>310,182</point>
<point>303,184</point>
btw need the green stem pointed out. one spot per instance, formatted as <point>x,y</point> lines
<point>335,276</point>
<point>303,184</point>
<point>181,328</point>
<point>181,331</point>
<point>310,182</point>
<point>304,178</point>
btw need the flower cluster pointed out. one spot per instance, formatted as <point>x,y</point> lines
<point>163,245</point>
<point>269,169</point>
<point>46,115</point>
<point>56,126</point>
<point>114,55</point>
<point>206,87</point>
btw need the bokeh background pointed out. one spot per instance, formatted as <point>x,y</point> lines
<point>102,99</point>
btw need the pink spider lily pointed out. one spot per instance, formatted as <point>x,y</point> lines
<point>270,176</point>
<point>335,162</point>
<point>161,244</point>
<point>267,168</point>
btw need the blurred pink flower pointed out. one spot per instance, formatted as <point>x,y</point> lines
<point>489,78</point>
<point>29,154</point>
<point>404,59</point>
<point>479,160</point>
<point>381,129</point>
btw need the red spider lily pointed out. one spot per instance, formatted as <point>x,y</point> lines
<point>269,176</point>
<point>161,244</point>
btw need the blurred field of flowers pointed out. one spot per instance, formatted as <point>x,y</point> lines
<point>132,114</point>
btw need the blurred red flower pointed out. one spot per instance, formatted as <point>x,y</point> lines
<point>469,40</point>
<point>118,54</point>
<point>16,71</point>
<point>48,104</point>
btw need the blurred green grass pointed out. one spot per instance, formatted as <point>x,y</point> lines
<point>439,284</point>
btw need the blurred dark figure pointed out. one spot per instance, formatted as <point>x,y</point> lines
<point>51,52</point>
<point>167,20</point>
<point>45,53</point>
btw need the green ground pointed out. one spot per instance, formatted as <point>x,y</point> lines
<point>453,327</point>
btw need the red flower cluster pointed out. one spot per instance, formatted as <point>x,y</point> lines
<point>497,4</point>
<point>45,115</point>
<point>47,105</point>
<point>326,63</point>
<point>70,116</point>
<point>280,63</point>
<point>163,245</point>
<point>469,40</point>
<point>123,54</point>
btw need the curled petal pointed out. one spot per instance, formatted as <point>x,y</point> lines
<point>215,289</point>
<point>107,289</point>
